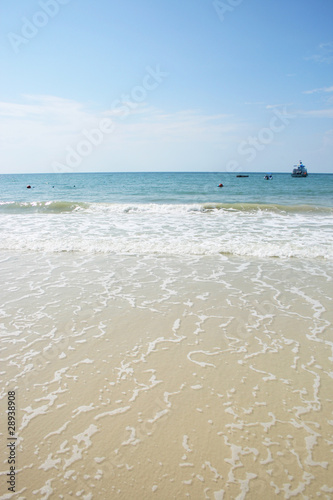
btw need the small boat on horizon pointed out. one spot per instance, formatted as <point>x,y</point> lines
<point>268,177</point>
<point>299,170</point>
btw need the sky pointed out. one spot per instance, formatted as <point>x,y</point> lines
<point>166,85</point>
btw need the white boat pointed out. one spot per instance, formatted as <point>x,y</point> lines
<point>299,170</point>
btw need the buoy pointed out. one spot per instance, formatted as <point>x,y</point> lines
<point>28,186</point>
<point>220,185</point>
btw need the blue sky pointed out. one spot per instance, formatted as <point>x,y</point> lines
<point>179,85</point>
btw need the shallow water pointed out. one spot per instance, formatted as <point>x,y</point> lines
<point>160,376</point>
<point>168,214</point>
<point>166,338</point>
<point>169,230</point>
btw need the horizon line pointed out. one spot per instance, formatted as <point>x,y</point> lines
<point>161,172</point>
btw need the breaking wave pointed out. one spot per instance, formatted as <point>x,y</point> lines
<point>54,206</point>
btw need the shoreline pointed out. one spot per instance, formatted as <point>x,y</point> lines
<point>193,376</point>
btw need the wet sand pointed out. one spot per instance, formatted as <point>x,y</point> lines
<point>168,378</point>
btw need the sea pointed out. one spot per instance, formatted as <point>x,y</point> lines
<point>166,335</point>
<point>168,214</point>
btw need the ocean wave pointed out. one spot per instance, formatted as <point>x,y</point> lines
<point>266,207</point>
<point>42,206</point>
<point>166,247</point>
<point>252,230</point>
<point>54,206</point>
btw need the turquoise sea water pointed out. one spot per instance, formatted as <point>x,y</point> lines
<point>168,214</point>
<point>167,338</point>
<point>169,188</point>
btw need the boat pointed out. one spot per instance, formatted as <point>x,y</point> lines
<point>299,170</point>
<point>268,177</point>
<point>241,175</point>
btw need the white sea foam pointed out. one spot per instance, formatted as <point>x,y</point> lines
<point>112,412</point>
<point>31,413</point>
<point>255,405</point>
<point>45,490</point>
<point>185,444</point>
<point>132,440</point>
<point>171,230</point>
<point>50,463</point>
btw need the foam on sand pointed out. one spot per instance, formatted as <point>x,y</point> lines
<point>198,377</point>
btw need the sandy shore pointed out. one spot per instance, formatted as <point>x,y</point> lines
<point>167,378</point>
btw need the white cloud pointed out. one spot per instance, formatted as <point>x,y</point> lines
<point>318,113</point>
<point>322,89</point>
<point>328,139</point>
<point>324,54</point>
<point>39,130</point>
<point>279,106</point>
